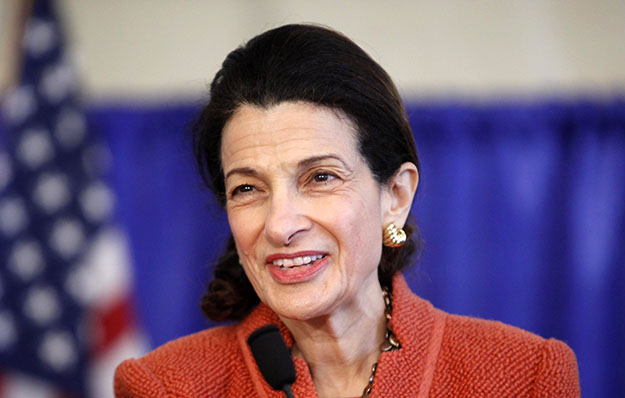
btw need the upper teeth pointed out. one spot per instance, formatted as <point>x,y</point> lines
<point>290,262</point>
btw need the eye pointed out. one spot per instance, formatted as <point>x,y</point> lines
<point>323,176</point>
<point>242,189</point>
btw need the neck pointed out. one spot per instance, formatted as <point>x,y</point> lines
<point>341,347</point>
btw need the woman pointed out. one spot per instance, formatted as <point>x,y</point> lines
<point>306,144</point>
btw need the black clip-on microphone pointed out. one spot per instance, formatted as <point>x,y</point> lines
<point>273,358</point>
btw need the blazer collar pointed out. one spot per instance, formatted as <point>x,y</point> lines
<point>417,324</point>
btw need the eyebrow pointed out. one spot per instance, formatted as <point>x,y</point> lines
<point>241,170</point>
<point>315,159</point>
<point>300,165</point>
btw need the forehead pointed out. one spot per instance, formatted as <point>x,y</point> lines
<point>286,132</point>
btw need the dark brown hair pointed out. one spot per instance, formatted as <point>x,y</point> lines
<point>317,65</point>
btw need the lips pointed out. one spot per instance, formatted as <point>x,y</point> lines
<point>296,267</point>
<point>290,260</point>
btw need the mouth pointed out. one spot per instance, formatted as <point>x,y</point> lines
<point>297,267</point>
<point>289,261</point>
<point>299,261</point>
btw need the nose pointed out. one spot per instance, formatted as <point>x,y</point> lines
<point>286,218</point>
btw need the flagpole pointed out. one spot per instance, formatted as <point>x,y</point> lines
<point>16,14</point>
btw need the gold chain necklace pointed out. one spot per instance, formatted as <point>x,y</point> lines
<point>390,340</point>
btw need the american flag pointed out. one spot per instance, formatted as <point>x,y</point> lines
<point>65,319</point>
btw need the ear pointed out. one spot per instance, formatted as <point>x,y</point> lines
<point>399,192</point>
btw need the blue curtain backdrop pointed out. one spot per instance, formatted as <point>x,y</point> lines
<point>521,206</point>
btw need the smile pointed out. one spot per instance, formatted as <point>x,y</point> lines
<point>296,261</point>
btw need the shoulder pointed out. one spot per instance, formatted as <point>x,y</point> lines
<point>479,354</point>
<point>477,357</point>
<point>466,332</point>
<point>202,360</point>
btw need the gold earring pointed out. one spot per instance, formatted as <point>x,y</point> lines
<point>393,236</point>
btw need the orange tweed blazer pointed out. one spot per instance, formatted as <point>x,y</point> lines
<point>442,355</point>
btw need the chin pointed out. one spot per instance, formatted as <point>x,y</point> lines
<point>301,308</point>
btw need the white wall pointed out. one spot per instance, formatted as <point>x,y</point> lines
<point>146,49</point>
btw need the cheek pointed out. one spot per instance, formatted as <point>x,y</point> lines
<point>244,226</point>
<point>245,237</point>
<point>358,228</point>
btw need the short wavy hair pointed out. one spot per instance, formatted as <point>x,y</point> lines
<point>302,63</point>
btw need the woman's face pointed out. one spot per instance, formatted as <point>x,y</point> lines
<point>305,211</point>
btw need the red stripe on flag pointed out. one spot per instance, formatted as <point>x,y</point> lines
<point>110,323</point>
